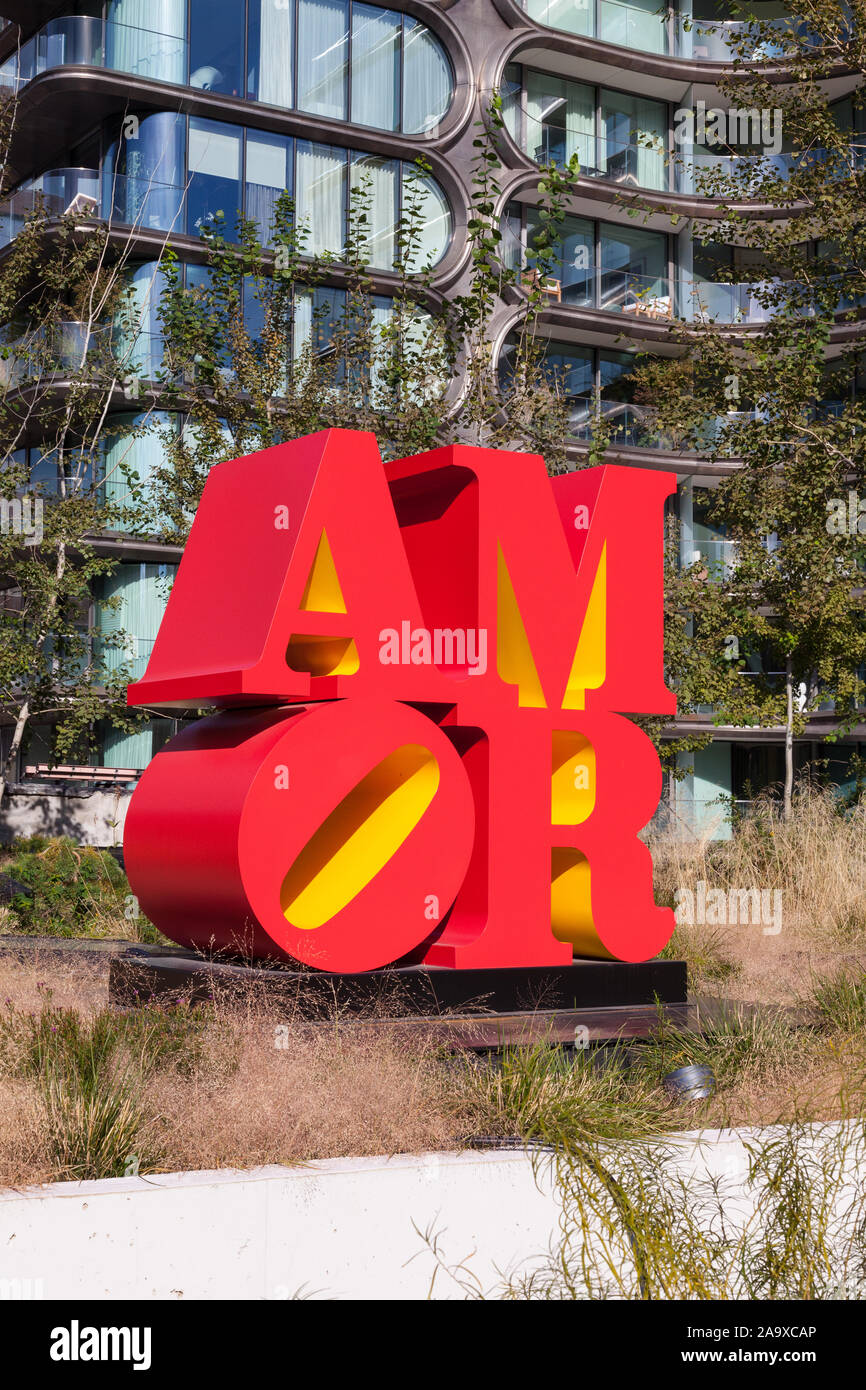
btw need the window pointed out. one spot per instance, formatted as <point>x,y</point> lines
<point>318,176</point>
<point>271,37</point>
<point>634,271</point>
<point>594,382</point>
<point>599,264</point>
<point>612,135</point>
<point>634,140</point>
<point>560,120</point>
<point>427,82</point>
<point>269,174</point>
<point>216,46</point>
<point>214,175</point>
<point>574,277</point>
<point>146,37</point>
<point>374,66</point>
<point>321,196</point>
<point>323,57</point>
<point>377,182</point>
<point>376,36</point>
<point>143,173</point>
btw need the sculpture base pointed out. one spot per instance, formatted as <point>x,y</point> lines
<point>487,1004</point>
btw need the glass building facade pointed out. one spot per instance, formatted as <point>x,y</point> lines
<point>170,118</point>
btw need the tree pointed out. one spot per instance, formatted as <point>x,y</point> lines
<point>271,342</point>
<point>64,348</point>
<point>786,620</point>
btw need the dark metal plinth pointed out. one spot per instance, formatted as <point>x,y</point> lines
<point>489,1003</point>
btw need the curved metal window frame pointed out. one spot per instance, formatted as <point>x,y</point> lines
<point>351,154</point>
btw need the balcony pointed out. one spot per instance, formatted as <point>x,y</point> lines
<point>56,194</point>
<point>83,41</point>
<point>749,170</point>
<point>628,26</point>
<point>64,349</point>
<point>722,41</point>
<point>706,301</point>
<point>638,165</point>
<point>628,426</point>
<point>612,289</point>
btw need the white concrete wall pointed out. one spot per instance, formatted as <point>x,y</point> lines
<point>344,1228</point>
<point>96,819</point>
<point>339,1228</point>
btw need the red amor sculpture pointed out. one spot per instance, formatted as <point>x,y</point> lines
<point>421,672</point>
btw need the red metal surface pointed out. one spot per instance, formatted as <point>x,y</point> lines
<point>313,699</point>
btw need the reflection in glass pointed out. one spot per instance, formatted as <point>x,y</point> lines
<point>323,51</point>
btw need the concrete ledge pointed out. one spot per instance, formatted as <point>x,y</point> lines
<point>340,1228</point>
<point>337,1228</point>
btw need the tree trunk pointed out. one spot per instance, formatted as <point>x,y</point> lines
<point>17,737</point>
<point>789,738</point>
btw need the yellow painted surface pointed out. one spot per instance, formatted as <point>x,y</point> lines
<point>359,836</point>
<point>573,778</point>
<point>571,905</point>
<point>590,659</point>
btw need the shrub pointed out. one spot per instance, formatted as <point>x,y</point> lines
<point>63,889</point>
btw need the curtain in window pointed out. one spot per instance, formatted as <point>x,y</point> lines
<point>321,196</point>
<point>560,120</point>
<point>143,592</point>
<point>275,62</point>
<point>580,124</point>
<point>138,341</point>
<point>375,67</point>
<point>434,217</point>
<point>148,38</point>
<point>637,25</point>
<point>376,180</point>
<point>427,83</point>
<point>268,175</point>
<point>137,457</point>
<point>572,16</point>
<point>323,41</point>
<point>649,121</point>
<point>134,751</point>
<point>303,322</point>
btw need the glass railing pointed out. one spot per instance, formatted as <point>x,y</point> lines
<point>721,41</point>
<point>705,301</point>
<point>139,353</point>
<point>645,30</point>
<point>627,26</point>
<point>697,168</point>
<point>581,287</point>
<point>639,296</point>
<point>56,193</point>
<point>141,201</point>
<point>83,41</point>
<point>714,431</point>
<point>627,426</point>
<point>61,349</point>
<point>718,557</point>
<point>630,162</point>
